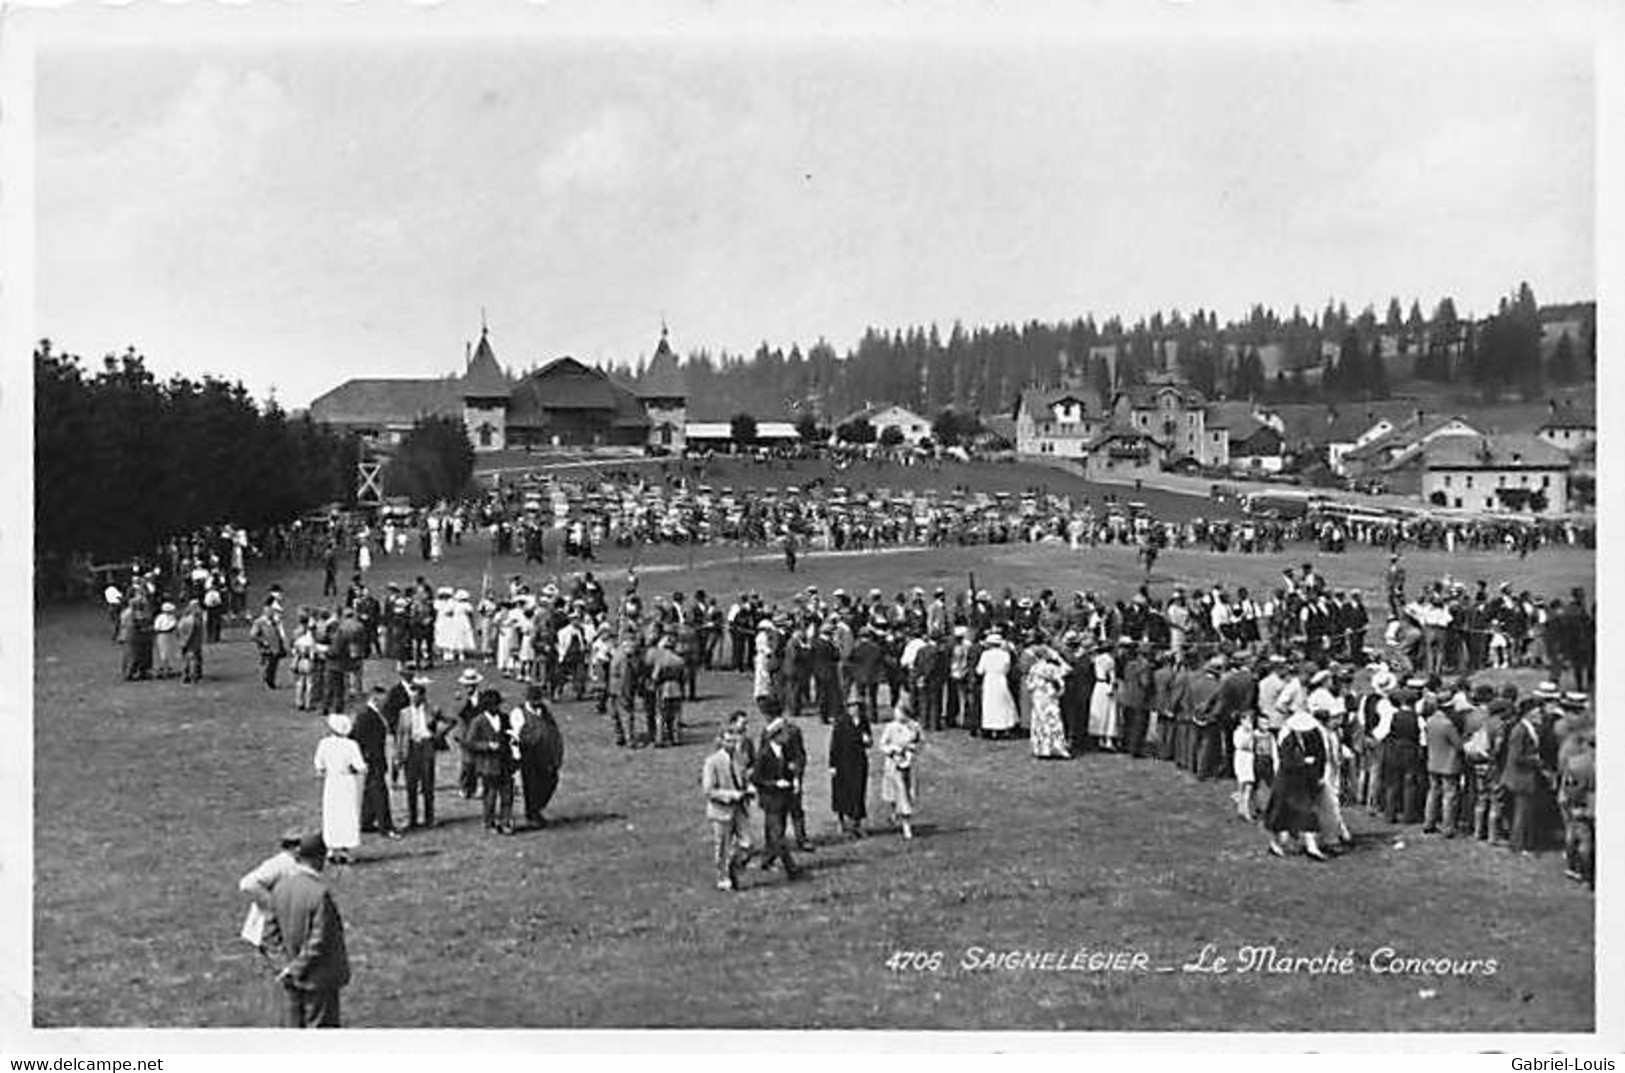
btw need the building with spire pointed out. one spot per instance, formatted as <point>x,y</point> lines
<point>564,403</point>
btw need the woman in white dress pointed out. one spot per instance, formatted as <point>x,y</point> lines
<point>1103,722</point>
<point>900,743</point>
<point>462,625</point>
<point>998,706</point>
<point>443,601</point>
<point>339,765</point>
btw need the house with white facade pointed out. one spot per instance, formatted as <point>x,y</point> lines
<point>909,424</point>
<point>1059,422</point>
<point>1518,473</point>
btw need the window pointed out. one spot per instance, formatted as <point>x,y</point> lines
<point>485,435</point>
<point>1546,481</point>
<point>1458,502</point>
<point>1469,480</point>
<point>1447,480</point>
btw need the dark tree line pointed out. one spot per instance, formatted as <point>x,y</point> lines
<point>982,370</point>
<point>434,462</point>
<point>122,461</point>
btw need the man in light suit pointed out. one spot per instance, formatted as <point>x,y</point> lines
<point>306,930</point>
<point>726,792</point>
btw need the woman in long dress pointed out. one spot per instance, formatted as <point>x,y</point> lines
<point>998,706</point>
<point>462,625</point>
<point>1044,682</point>
<point>900,743</point>
<point>849,742</point>
<point>443,602</point>
<point>1103,721</point>
<point>1295,794</point>
<point>339,765</point>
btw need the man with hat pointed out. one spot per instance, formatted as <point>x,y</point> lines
<point>777,777</point>
<point>1402,759</point>
<point>1444,770</point>
<point>1523,773</point>
<point>305,930</point>
<point>467,777</point>
<point>792,750</point>
<point>419,732</point>
<point>491,744</point>
<point>371,732</point>
<point>1485,754</point>
<point>259,883</point>
<point>541,753</point>
<point>665,671</point>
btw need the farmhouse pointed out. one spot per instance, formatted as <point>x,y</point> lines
<point>1394,456</point>
<point>1255,436</point>
<point>1496,473</point>
<point>1569,428</point>
<point>910,425</point>
<point>564,403</point>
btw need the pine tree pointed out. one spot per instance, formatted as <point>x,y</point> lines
<point>1564,369</point>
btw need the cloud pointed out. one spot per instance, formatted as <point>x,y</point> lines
<point>607,155</point>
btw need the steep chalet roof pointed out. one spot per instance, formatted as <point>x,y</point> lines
<point>567,384</point>
<point>1147,396</point>
<point>1238,418</point>
<point>1510,451</point>
<point>1571,417</point>
<point>1037,400</point>
<point>663,379</point>
<point>1405,435</point>
<point>392,402</point>
<point>484,378</point>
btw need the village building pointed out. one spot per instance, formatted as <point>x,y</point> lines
<point>1394,456</point>
<point>1059,422</point>
<point>911,426</point>
<point>565,403</point>
<point>1517,473</point>
<point>1569,428</point>
<point>719,435</point>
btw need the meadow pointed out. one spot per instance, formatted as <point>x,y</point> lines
<point>152,799</point>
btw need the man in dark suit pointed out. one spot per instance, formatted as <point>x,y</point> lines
<point>489,743</point>
<point>793,748</point>
<point>305,928</point>
<point>776,779</point>
<point>541,754</point>
<point>1523,775</point>
<point>371,733</point>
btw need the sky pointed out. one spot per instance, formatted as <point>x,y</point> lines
<point>294,213</point>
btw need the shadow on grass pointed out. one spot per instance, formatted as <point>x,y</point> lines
<point>582,819</point>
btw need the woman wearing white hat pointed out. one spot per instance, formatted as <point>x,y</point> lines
<point>998,705</point>
<point>461,629</point>
<point>339,765</point>
<point>165,645</point>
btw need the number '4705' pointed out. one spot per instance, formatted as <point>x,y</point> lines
<point>915,961</point>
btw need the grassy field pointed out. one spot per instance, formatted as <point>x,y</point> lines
<point>151,799</point>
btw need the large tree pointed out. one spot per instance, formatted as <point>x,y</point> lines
<point>434,462</point>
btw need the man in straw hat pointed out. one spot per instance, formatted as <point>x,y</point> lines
<point>468,777</point>
<point>420,731</point>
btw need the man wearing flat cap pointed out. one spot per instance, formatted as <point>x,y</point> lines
<point>305,932</point>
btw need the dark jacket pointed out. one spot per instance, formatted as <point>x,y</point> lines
<point>370,731</point>
<point>489,746</point>
<point>305,927</point>
<point>1522,773</point>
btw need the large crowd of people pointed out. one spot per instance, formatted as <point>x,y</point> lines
<point>1305,700</point>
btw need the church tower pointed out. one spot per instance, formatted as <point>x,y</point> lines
<point>485,392</point>
<point>665,398</point>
